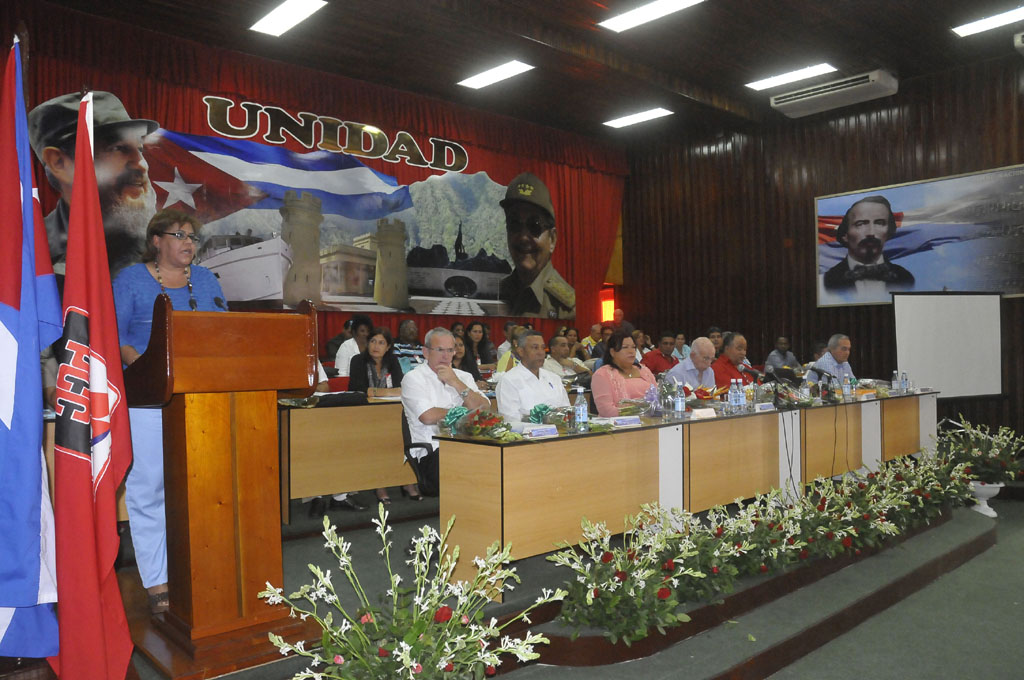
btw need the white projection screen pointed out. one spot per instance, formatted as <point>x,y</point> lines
<point>950,342</point>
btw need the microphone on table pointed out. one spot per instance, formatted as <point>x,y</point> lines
<point>220,303</point>
<point>758,375</point>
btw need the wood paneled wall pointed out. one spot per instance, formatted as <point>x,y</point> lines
<point>721,230</point>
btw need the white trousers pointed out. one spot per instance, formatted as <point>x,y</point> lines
<point>144,495</point>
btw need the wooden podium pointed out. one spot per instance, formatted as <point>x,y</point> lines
<point>218,376</point>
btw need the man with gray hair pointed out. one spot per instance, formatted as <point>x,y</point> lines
<point>834,361</point>
<point>430,389</point>
<point>529,384</point>
<point>695,370</point>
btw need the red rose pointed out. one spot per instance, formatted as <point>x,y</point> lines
<point>810,539</point>
<point>861,485</point>
<point>739,545</point>
<point>381,652</point>
<point>775,540</point>
<point>849,504</point>
<point>927,495</point>
<point>871,475</point>
<point>607,557</point>
<point>898,477</point>
<point>663,593</point>
<point>782,528</point>
<point>669,565</point>
<point>866,516</point>
<point>830,535</point>
<point>804,554</point>
<point>821,507</point>
<point>449,668</point>
<point>631,555</point>
<point>490,670</point>
<point>847,541</point>
<point>771,525</point>
<point>967,470</point>
<point>443,614</point>
<point>719,531</point>
<point>620,576</point>
<point>714,570</point>
<point>791,540</point>
<point>764,567</point>
<point>596,591</point>
<point>857,551</point>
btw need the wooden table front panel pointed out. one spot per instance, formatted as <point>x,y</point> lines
<point>346,448</point>
<point>901,427</point>
<point>830,441</point>
<point>534,496</point>
<point>728,459</point>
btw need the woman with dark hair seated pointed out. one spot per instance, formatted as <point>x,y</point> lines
<point>478,345</point>
<point>458,329</point>
<point>620,377</point>
<point>376,372</point>
<point>576,348</point>
<point>461,361</point>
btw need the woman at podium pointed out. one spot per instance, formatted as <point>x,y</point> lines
<point>172,239</point>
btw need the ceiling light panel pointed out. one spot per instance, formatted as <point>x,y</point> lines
<point>286,15</point>
<point>496,74</point>
<point>643,14</point>
<point>635,118</point>
<point>791,77</point>
<point>987,24</point>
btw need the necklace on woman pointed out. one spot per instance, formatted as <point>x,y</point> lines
<point>193,305</point>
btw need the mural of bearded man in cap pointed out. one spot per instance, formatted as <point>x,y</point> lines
<point>533,288</point>
<point>127,199</point>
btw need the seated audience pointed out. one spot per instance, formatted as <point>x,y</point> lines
<point>428,391</point>
<point>560,362</point>
<point>507,345</point>
<point>408,348</point>
<point>601,348</point>
<point>458,329</point>
<point>834,361</point>
<point>377,372</point>
<point>780,356</point>
<point>730,364</point>
<point>714,334</point>
<point>695,370</point>
<point>576,348</point>
<point>361,327</point>
<point>461,361</point>
<point>661,359</point>
<point>511,357</point>
<point>592,339</point>
<point>619,322</point>
<point>528,384</point>
<point>478,345</point>
<point>681,350</point>
<point>619,378</point>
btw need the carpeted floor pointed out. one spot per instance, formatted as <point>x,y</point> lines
<point>964,625</point>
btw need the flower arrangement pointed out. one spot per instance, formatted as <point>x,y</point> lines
<point>703,558</point>
<point>430,629</point>
<point>989,458</point>
<point>479,423</point>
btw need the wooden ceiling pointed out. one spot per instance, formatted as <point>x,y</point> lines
<point>693,62</point>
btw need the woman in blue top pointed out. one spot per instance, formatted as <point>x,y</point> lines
<point>171,242</point>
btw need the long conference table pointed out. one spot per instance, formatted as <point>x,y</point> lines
<point>533,493</point>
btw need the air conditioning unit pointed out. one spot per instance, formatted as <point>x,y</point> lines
<point>835,94</point>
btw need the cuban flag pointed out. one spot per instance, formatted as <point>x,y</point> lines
<point>215,176</point>
<point>29,320</point>
<point>92,442</point>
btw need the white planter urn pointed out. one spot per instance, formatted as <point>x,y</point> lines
<point>982,493</point>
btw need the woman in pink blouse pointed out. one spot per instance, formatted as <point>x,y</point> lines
<point>620,378</point>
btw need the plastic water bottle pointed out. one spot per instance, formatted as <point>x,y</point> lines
<point>735,397</point>
<point>847,388</point>
<point>904,383</point>
<point>894,384</point>
<point>822,389</point>
<point>679,404</point>
<point>581,412</point>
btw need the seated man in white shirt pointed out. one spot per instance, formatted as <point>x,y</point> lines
<point>430,389</point>
<point>529,384</point>
<point>559,362</point>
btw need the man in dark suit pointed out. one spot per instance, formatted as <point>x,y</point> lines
<point>865,228</point>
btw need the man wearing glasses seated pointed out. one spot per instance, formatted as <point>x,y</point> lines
<point>533,288</point>
<point>430,389</point>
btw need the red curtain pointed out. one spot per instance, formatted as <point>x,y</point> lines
<point>166,78</point>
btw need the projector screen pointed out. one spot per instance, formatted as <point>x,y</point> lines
<point>950,342</point>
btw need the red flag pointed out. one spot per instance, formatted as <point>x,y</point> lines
<point>92,442</point>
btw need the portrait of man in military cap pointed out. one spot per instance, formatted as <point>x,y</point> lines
<point>533,288</point>
<point>127,199</point>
